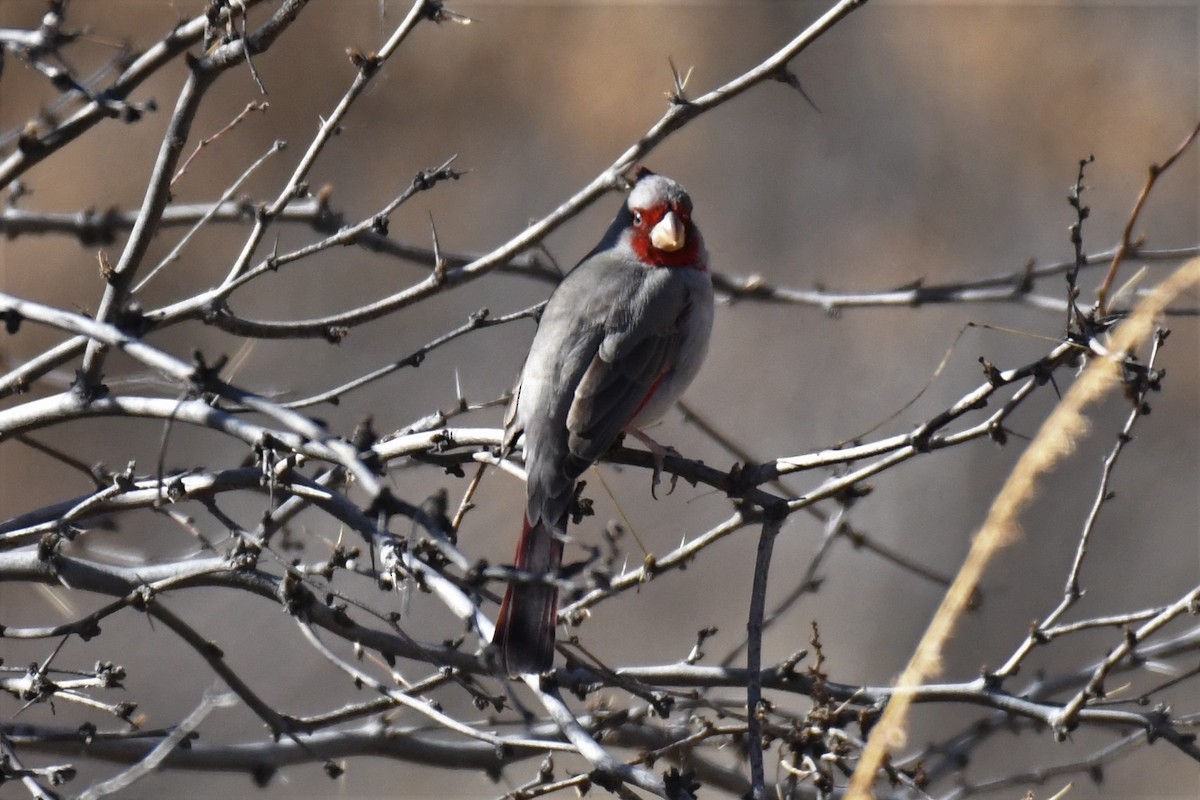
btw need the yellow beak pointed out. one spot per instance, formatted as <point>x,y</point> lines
<point>669,233</point>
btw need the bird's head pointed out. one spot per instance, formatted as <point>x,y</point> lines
<point>658,219</point>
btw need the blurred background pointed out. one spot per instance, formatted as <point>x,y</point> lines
<point>947,137</point>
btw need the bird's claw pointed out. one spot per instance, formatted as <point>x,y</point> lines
<point>659,453</point>
<point>660,457</point>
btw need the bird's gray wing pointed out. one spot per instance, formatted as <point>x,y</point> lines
<point>636,353</point>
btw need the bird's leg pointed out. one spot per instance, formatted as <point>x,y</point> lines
<point>659,453</point>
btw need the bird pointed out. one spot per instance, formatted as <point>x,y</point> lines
<point>619,340</point>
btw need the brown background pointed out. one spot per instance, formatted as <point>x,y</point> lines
<point>947,138</point>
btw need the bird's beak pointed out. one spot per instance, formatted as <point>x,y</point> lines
<point>669,233</point>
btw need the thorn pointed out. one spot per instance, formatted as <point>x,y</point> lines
<point>439,263</point>
<point>677,95</point>
<point>438,13</point>
<point>785,75</point>
<point>106,269</point>
<point>458,392</point>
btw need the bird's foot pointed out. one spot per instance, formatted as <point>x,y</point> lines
<point>659,453</point>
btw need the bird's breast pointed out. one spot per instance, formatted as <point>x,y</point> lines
<point>695,327</point>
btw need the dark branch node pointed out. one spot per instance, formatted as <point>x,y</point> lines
<point>366,63</point>
<point>262,774</point>
<point>12,321</point>
<point>141,598</point>
<point>48,546</point>
<point>294,595</point>
<point>85,390</point>
<point>680,784</point>
<point>581,506</point>
<point>205,376</point>
<point>29,144</point>
<point>428,178</point>
<point>998,433</point>
<point>131,319</point>
<point>245,554</point>
<point>785,76</point>
<point>994,377</point>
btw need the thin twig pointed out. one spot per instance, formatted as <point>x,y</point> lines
<point>253,105</point>
<point>1127,244</point>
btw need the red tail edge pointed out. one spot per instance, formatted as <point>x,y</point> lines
<point>525,627</point>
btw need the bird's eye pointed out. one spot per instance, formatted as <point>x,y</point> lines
<point>637,218</point>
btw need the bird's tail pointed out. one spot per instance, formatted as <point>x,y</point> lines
<point>524,637</point>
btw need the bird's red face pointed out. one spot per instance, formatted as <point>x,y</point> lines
<point>663,234</point>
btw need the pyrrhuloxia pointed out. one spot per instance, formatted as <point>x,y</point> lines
<point>620,339</point>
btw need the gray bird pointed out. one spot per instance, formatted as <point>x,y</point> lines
<point>620,339</point>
